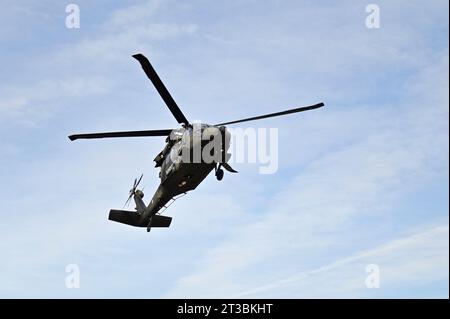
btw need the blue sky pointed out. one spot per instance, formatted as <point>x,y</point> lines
<point>362,181</point>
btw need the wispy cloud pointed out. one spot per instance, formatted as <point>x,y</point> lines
<point>126,31</point>
<point>137,14</point>
<point>360,181</point>
<point>37,101</point>
<point>412,260</point>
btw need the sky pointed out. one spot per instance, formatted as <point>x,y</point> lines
<point>362,183</point>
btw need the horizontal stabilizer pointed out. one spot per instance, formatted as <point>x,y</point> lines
<point>161,221</point>
<point>132,218</point>
<point>125,217</point>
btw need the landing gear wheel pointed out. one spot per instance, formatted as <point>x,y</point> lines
<point>219,174</point>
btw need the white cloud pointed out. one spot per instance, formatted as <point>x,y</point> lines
<point>34,102</point>
<point>412,261</point>
<point>132,15</point>
<point>13,103</point>
<point>126,31</point>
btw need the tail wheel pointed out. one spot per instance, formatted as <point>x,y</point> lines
<point>219,174</point>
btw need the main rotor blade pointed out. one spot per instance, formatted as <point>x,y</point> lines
<point>120,134</point>
<point>300,109</point>
<point>162,90</point>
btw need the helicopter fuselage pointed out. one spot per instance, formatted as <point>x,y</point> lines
<point>183,166</point>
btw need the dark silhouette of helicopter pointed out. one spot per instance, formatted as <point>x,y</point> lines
<point>179,173</point>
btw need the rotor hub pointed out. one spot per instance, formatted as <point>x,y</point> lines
<point>139,193</point>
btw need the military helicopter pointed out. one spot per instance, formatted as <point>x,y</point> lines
<point>177,175</point>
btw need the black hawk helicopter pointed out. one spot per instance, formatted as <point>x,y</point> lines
<point>177,175</point>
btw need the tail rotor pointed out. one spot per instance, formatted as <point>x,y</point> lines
<point>133,189</point>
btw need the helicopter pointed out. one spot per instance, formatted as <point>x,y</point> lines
<point>178,172</point>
